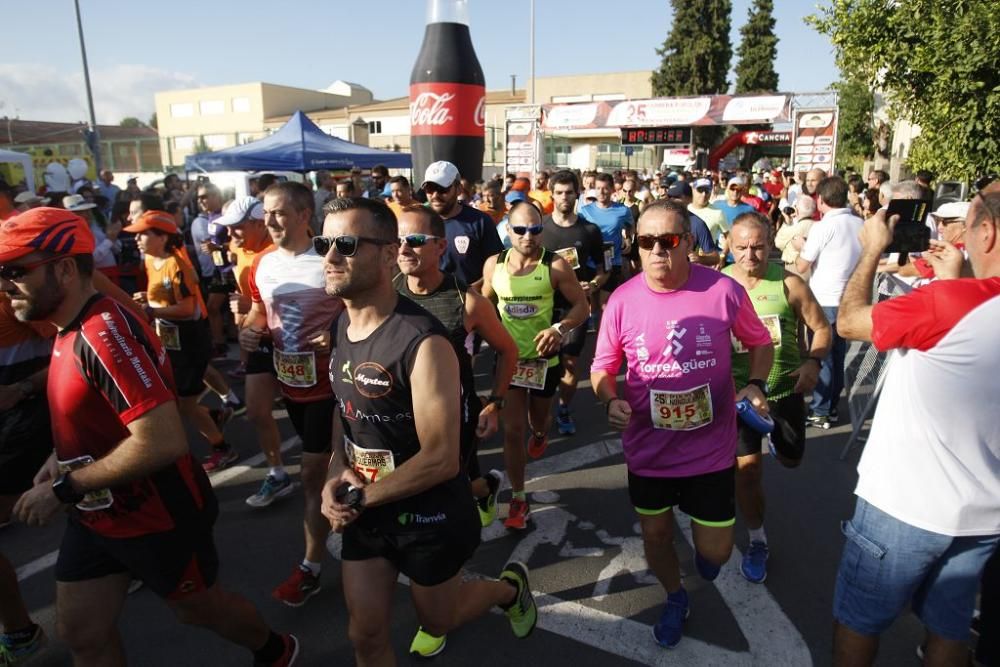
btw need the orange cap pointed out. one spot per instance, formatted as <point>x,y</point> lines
<point>160,220</point>
<point>46,229</point>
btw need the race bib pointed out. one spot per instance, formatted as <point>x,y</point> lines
<point>571,255</point>
<point>681,410</point>
<point>95,500</point>
<point>170,334</point>
<point>217,258</point>
<point>773,325</point>
<point>295,369</point>
<point>372,464</point>
<point>462,244</point>
<point>609,256</point>
<point>530,373</point>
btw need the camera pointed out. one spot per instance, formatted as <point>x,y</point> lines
<point>911,233</point>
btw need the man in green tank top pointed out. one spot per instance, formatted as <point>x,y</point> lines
<point>523,282</point>
<point>782,300</point>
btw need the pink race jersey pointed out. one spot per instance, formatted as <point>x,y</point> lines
<point>678,378</point>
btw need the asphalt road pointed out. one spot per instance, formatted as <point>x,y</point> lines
<point>596,599</point>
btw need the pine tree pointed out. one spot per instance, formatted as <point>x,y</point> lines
<point>696,55</point>
<point>757,51</point>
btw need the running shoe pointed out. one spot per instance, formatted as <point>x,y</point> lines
<point>517,515</point>
<point>289,657</point>
<point>818,421</point>
<point>18,647</point>
<point>488,506</point>
<point>220,458</point>
<point>537,444</point>
<point>426,645</point>
<point>754,564</point>
<point>564,420</point>
<point>271,489</point>
<point>221,416</point>
<point>667,631</point>
<point>298,588</point>
<point>522,612</point>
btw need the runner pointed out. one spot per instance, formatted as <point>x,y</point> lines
<point>250,239</point>
<point>524,281</point>
<point>463,313</point>
<point>615,222</point>
<point>406,506</point>
<point>137,502</point>
<point>173,301</point>
<point>581,245</point>
<point>782,300</point>
<point>672,325</point>
<point>292,308</point>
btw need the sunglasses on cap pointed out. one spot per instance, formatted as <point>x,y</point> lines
<point>12,272</point>
<point>521,230</point>
<point>668,241</point>
<point>417,240</point>
<point>346,245</point>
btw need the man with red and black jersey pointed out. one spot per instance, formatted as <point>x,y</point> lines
<point>138,504</point>
<point>292,309</point>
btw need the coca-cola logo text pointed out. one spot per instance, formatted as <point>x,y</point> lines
<point>431,109</point>
<point>444,108</point>
<point>480,117</point>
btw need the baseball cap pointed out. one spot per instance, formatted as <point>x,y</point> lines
<point>953,209</point>
<point>441,173</point>
<point>45,228</point>
<point>159,220</point>
<point>514,195</point>
<point>679,189</point>
<point>736,180</point>
<point>241,210</point>
<point>521,184</point>
<point>76,203</point>
<point>702,183</point>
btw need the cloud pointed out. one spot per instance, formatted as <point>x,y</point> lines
<point>41,92</point>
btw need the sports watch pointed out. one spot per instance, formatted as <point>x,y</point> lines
<point>352,496</point>
<point>558,326</point>
<point>501,402</point>
<point>760,384</point>
<point>63,489</point>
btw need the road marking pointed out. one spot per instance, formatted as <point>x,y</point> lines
<point>220,478</point>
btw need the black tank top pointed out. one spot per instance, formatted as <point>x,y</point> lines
<point>371,379</point>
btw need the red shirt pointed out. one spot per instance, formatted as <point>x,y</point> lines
<point>107,370</point>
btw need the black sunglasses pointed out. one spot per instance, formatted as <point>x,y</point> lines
<point>521,230</point>
<point>417,240</point>
<point>668,241</point>
<point>12,272</point>
<point>346,245</point>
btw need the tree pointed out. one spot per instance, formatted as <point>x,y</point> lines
<point>938,65</point>
<point>130,121</point>
<point>757,51</point>
<point>153,122</point>
<point>855,123</point>
<point>695,56</point>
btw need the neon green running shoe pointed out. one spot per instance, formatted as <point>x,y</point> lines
<point>522,613</point>
<point>488,506</point>
<point>426,645</point>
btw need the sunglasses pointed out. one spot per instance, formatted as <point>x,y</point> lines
<point>521,230</point>
<point>668,241</point>
<point>734,188</point>
<point>417,240</point>
<point>704,189</point>
<point>12,272</point>
<point>346,245</point>
<point>432,188</point>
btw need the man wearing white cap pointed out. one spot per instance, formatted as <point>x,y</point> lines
<point>733,205</point>
<point>949,221</point>
<point>107,244</point>
<point>472,235</point>
<point>701,199</point>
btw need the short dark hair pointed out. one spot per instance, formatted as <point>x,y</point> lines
<point>925,175</point>
<point>833,191</point>
<point>667,206</point>
<point>605,178</point>
<point>380,169</point>
<point>402,180</point>
<point>384,224</point>
<point>564,177</point>
<point>433,220</point>
<point>174,241</point>
<point>880,175</point>
<point>349,184</point>
<point>300,196</point>
<point>150,202</point>
<point>855,184</point>
<point>264,181</point>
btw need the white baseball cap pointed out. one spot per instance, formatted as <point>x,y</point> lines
<point>76,203</point>
<point>953,209</point>
<point>441,173</point>
<point>241,210</point>
<point>736,180</point>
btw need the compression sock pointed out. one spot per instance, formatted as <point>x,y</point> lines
<point>314,568</point>
<point>708,570</point>
<point>271,651</point>
<point>757,534</point>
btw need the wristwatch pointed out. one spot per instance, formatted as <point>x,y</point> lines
<point>501,402</point>
<point>760,384</point>
<point>558,326</point>
<point>352,496</point>
<point>63,489</point>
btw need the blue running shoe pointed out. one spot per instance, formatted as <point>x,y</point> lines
<point>754,564</point>
<point>565,421</point>
<point>667,632</point>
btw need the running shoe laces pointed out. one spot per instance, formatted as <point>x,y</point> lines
<point>754,564</point>
<point>522,612</point>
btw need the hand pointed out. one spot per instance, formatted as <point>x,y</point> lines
<point>619,413</point>
<point>547,342</point>
<point>339,515</point>
<point>757,398</point>
<point>626,245</point>
<point>876,235</point>
<point>808,376</point>
<point>489,419</point>
<point>798,242</point>
<point>321,342</point>
<point>207,247</point>
<point>10,395</point>
<point>140,298</point>
<point>945,259</point>
<point>38,505</point>
<point>48,472</point>
<point>250,339</point>
<point>239,304</point>
<point>587,288</point>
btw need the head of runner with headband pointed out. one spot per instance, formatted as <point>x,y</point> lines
<point>360,237</point>
<point>663,239</point>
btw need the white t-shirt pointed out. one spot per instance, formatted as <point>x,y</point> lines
<point>834,249</point>
<point>933,456</point>
<point>714,218</point>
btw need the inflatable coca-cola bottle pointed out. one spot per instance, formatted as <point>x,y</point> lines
<point>447,94</point>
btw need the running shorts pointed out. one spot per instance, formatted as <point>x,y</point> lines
<point>189,362</point>
<point>313,423</point>
<point>709,499</point>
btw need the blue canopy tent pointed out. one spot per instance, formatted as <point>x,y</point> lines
<point>298,146</point>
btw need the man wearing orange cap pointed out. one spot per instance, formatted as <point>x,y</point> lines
<point>138,504</point>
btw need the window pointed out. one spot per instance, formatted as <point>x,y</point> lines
<point>557,152</point>
<point>374,127</point>
<point>246,137</point>
<point>241,105</point>
<point>212,107</point>
<point>215,140</point>
<point>185,110</point>
<point>183,143</point>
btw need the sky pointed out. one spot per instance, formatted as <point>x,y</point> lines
<point>136,48</point>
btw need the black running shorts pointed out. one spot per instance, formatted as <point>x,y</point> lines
<point>189,362</point>
<point>708,499</point>
<point>313,423</point>
<point>25,444</point>
<point>789,435</point>
<point>261,360</point>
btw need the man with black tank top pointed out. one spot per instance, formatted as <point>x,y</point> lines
<point>395,489</point>
<point>463,313</point>
<point>580,243</point>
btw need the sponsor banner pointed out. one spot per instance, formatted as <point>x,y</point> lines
<point>523,145</point>
<point>666,111</point>
<point>450,109</point>
<point>814,139</point>
<point>769,138</point>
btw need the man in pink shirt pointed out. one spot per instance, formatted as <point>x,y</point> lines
<point>672,324</point>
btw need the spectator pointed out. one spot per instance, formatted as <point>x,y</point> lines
<point>108,189</point>
<point>28,200</point>
<point>325,185</point>
<point>401,195</point>
<point>379,177</point>
<point>791,238</point>
<point>541,193</point>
